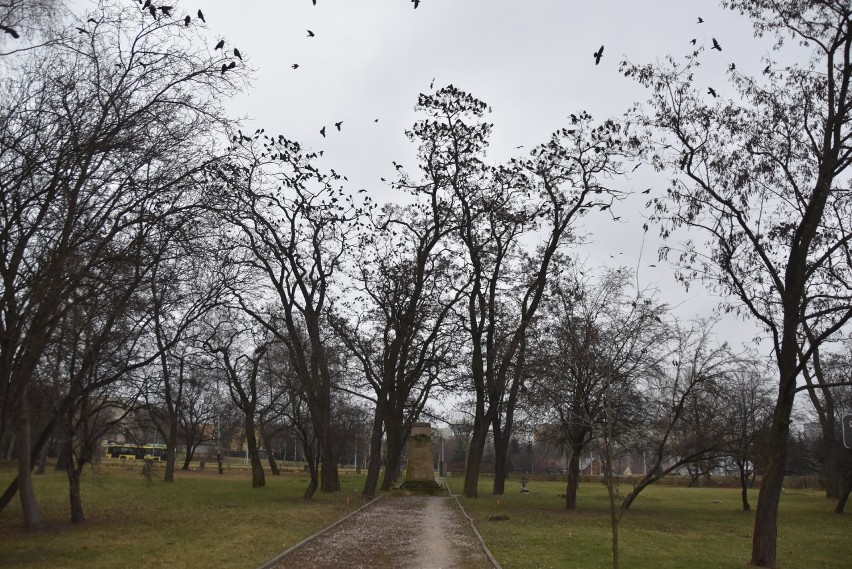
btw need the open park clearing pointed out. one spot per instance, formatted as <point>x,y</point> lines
<point>204,520</point>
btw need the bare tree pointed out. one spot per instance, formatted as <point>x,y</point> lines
<point>764,177</point>
<point>494,208</point>
<point>748,416</point>
<point>399,326</point>
<point>90,129</point>
<point>292,226</point>
<point>240,353</point>
<point>595,343</point>
<point>829,386</point>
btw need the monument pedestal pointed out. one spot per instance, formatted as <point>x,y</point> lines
<point>420,474</point>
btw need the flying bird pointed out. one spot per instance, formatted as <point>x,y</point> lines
<point>716,45</point>
<point>598,54</point>
<point>220,45</point>
<point>375,120</point>
<point>187,20</point>
<point>648,191</point>
<point>295,66</point>
<point>311,34</point>
<point>700,20</point>
<point>416,3</point>
<point>322,132</point>
<point>692,41</point>
<point>237,53</point>
<point>337,124</point>
<point>10,31</point>
<point>201,16</point>
<point>712,91</point>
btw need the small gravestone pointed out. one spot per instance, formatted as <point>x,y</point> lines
<point>420,474</point>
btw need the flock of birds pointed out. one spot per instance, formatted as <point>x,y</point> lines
<point>710,90</point>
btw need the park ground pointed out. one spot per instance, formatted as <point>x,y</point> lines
<point>203,520</point>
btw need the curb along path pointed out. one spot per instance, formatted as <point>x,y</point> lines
<point>405,532</point>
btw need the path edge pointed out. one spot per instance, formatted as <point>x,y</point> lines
<point>488,554</point>
<point>278,558</point>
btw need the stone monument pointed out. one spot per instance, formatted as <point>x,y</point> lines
<point>420,474</point>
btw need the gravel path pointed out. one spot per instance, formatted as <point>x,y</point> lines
<point>399,532</point>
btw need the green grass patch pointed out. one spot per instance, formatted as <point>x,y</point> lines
<point>666,528</point>
<point>200,520</point>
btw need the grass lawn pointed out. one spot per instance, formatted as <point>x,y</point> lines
<point>667,527</point>
<point>201,520</point>
<point>206,520</point>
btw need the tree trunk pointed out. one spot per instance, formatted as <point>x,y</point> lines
<point>502,437</point>
<point>393,458</point>
<point>270,456</point>
<point>573,477</point>
<point>258,480</point>
<point>844,494</point>
<point>764,541</point>
<point>26,491</point>
<point>171,448</point>
<point>744,485</point>
<point>42,460</point>
<point>329,478</point>
<point>312,468</point>
<point>474,459</point>
<point>374,463</point>
<point>73,470</point>
<point>187,460</point>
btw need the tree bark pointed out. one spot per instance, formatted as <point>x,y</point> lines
<point>844,495</point>
<point>258,479</point>
<point>474,459</point>
<point>744,485</point>
<point>764,542</point>
<point>573,477</point>
<point>171,448</point>
<point>374,463</point>
<point>393,458</point>
<point>270,456</point>
<point>26,491</point>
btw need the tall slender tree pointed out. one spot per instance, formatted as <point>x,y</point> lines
<point>764,178</point>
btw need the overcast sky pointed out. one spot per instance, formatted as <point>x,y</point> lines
<point>530,60</point>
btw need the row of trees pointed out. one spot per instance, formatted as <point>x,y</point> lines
<point>149,246</point>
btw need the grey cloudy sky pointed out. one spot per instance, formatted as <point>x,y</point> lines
<point>530,60</point>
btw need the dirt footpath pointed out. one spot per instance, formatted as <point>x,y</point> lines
<point>399,532</point>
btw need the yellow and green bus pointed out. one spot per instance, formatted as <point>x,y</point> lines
<point>129,451</point>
